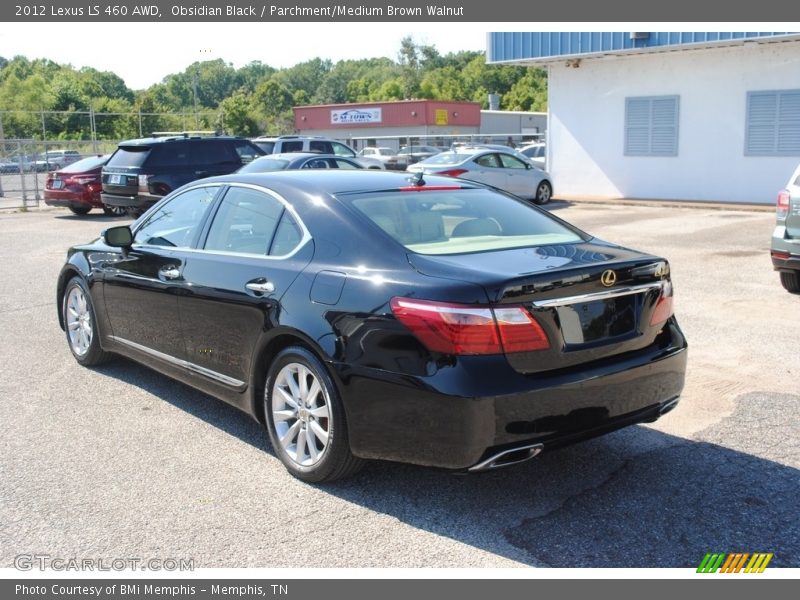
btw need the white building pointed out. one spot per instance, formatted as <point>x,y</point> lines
<point>697,116</point>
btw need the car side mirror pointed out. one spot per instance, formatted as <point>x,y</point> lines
<point>118,237</point>
<point>528,166</point>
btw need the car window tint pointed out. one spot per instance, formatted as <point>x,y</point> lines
<point>176,223</point>
<point>460,221</point>
<point>292,147</point>
<point>316,163</point>
<point>245,222</point>
<point>247,153</point>
<point>345,164</point>
<point>488,160</point>
<point>211,153</point>
<point>287,237</point>
<point>85,164</point>
<point>342,150</point>
<point>264,165</point>
<point>321,147</point>
<point>511,162</point>
<point>129,156</point>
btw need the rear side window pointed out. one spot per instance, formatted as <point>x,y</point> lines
<point>129,156</point>
<point>245,222</point>
<point>292,147</point>
<point>287,237</point>
<point>460,221</point>
<point>321,147</point>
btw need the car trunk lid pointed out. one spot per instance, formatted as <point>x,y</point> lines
<point>594,300</point>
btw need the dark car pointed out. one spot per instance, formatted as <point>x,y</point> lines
<point>785,249</point>
<point>298,160</point>
<point>369,315</point>
<point>414,154</point>
<point>141,172</point>
<point>77,187</point>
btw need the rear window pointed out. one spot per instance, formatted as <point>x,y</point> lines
<point>460,221</point>
<point>264,165</point>
<point>268,147</point>
<point>129,156</point>
<point>447,158</point>
<point>86,164</point>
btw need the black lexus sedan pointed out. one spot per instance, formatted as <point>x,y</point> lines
<point>372,315</point>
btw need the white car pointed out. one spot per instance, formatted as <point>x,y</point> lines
<point>498,168</point>
<point>535,153</point>
<point>389,158</point>
<point>307,143</point>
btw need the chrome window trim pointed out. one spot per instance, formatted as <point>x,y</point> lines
<point>179,362</point>
<point>615,293</point>
<point>306,237</point>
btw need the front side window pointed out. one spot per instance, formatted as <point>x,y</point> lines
<point>177,222</point>
<point>245,222</point>
<point>460,221</point>
<point>488,160</point>
<point>342,150</point>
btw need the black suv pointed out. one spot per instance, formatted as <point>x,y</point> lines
<point>141,171</point>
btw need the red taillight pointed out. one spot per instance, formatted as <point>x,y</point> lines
<point>663,309</point>
<point>782,209</point>
<point>452,172</point>
<point>462,329</point>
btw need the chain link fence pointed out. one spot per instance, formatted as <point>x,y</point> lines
<point>38,147</point>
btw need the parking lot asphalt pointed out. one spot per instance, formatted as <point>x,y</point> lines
<point>120,461</point>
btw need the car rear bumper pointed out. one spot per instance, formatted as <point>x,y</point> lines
<point>68,198</point>
<point>785,252</point>
<point>435,420</point>
<point>137,201</point>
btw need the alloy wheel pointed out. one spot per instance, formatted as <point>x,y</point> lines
<point>301,414</point>
<point>79,321</point>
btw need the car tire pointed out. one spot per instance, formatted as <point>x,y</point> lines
<point>134,213</point>
<point>80,210</point>
<point>544,192</point>
<point>115,211</point>
<point>305,418</point>
<point>80,324</point>
<point>791,282</point>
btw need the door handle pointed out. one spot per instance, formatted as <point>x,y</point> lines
<point>170,272</point>
<point>260,286</point>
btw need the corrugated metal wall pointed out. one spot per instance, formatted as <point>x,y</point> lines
<point>505,46</point>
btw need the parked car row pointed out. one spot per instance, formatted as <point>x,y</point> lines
<point>38,163</point>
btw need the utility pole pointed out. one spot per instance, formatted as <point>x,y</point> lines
<point>195,77</point>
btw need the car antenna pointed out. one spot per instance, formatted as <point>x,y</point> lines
<point>417,179</point>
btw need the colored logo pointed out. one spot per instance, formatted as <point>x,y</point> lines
<point>735,562</point>
<point>608,278</point>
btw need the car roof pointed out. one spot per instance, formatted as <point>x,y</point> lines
<point>149,141</point>
<point>335,181</point>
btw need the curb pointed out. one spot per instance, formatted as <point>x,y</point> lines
<point>694,204</point>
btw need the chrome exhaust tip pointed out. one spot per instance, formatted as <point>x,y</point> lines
<point>512,456</point>
<point>667,406</point>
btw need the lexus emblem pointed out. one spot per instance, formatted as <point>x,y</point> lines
<point>608,278</point>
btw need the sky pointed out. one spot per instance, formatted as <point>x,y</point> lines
<point>143,53</point>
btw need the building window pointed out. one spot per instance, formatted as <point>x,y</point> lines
<point>773,123</point>
<point>651,126</point>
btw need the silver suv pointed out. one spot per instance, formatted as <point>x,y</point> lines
<point>785,250</point>
<point>308,143</point>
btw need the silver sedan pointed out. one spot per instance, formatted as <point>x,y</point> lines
<point>494,167</point>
